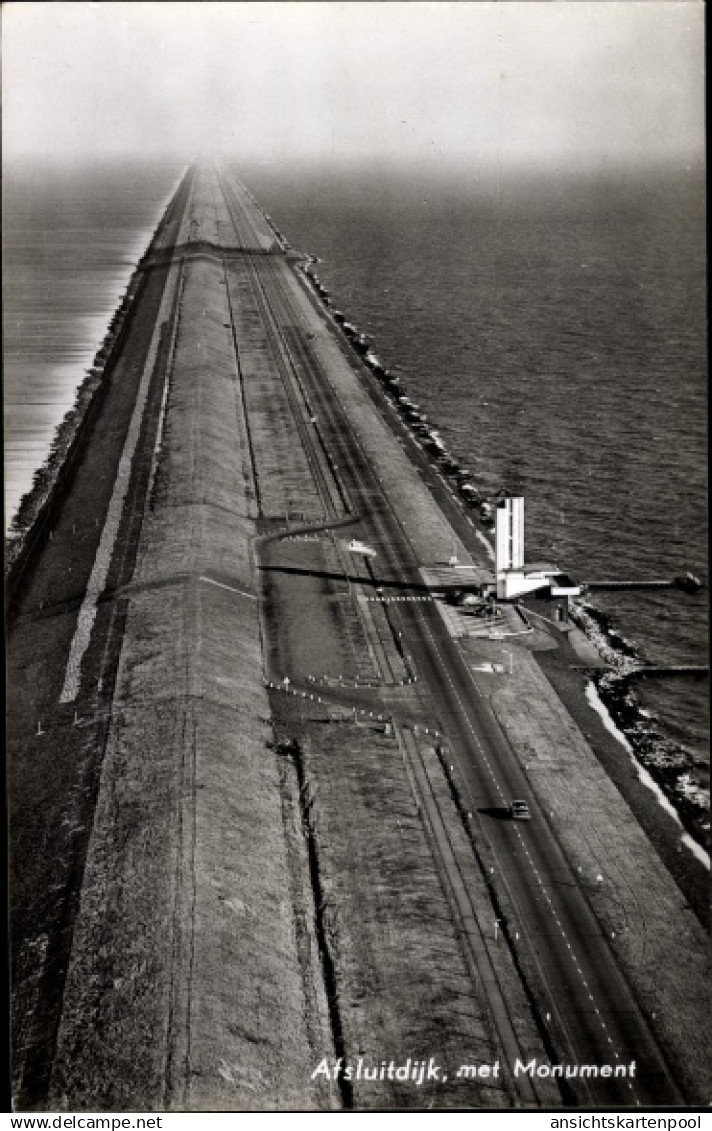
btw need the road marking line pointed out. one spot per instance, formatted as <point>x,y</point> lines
<point>484,757</point>
<point>230,588</point>
<point>499,790</point>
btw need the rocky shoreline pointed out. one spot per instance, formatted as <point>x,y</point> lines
<point>669,763</point>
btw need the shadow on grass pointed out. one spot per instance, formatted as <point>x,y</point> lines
<point>497,812</point>
<point>375,583</point>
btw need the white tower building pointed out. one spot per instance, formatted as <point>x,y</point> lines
<point>514,578</point>
<point>509,534</point>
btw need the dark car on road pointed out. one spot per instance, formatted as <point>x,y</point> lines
<point>519,811</point>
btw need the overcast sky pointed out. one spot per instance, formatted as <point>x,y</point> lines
<point>551,82</point>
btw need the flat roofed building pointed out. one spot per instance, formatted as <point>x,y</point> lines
<point>514,582</point>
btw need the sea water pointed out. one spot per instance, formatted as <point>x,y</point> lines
<point>552,328</point>
<point>72,234</point>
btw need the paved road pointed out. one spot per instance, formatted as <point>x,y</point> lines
<point>594,1017</point>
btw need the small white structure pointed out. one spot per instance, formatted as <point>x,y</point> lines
<point>509,534</point>
<point>513,577</point>
<point>356,547</point>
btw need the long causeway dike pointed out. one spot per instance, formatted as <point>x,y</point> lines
<point>258,780</point>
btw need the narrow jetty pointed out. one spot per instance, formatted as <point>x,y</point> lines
<point>651,670</point>
<point>688,583</point>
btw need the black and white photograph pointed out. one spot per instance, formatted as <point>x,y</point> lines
<point>356,575</point>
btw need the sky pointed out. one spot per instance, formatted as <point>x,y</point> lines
<point>562,83</point>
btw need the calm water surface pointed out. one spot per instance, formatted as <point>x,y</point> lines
<point>553,331</point>
<point>71,236</point>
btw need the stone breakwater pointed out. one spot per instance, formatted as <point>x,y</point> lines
<point>471,495</point>
<point>240,913</point>
<point>669,763</point>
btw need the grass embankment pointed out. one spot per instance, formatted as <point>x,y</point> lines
<point>188,986</point>
<point>400,981</point>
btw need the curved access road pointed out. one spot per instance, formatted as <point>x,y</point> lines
<point>585,1000</point>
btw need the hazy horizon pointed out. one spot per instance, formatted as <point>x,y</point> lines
<point>567,87</point>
